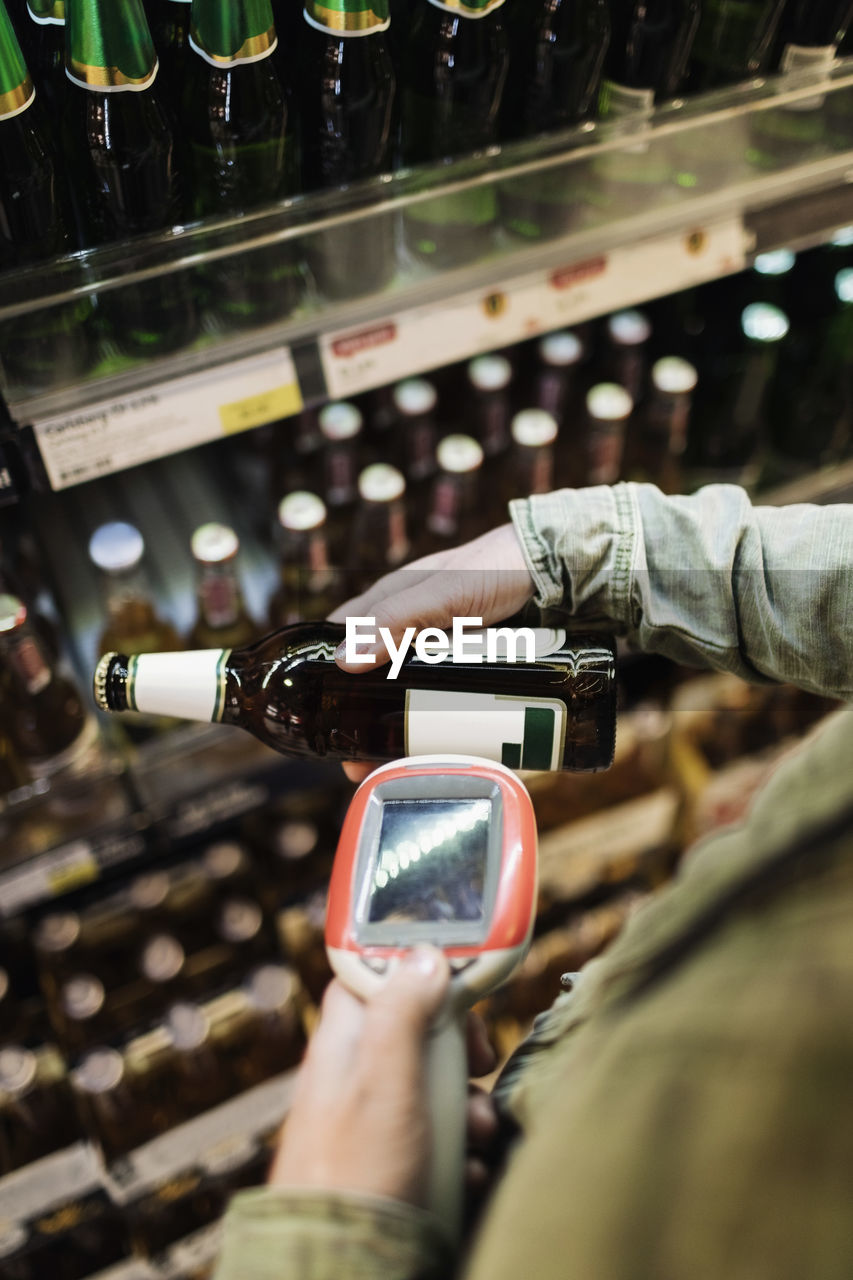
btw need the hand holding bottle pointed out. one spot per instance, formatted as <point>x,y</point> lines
<point>486,578</point>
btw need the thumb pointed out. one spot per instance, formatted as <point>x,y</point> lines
<point>406,1004</point>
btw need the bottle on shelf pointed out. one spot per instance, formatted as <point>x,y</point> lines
<point>82,1017</point>
<point>453,70</point>
<point>529,464</point>
<point>557,50</point>
<point>734,42</point>
<point>276,999</point>
<point>342,428</point>
<point>414,402</point>
<point>117,550</point>
<point>108,1109</point>
<point>45,50</point>
<point>240,150</point>
<point>659,436</point>
<point>45,715</point>
<point>608,409</point>
<point>810,32</point>
<point>223,618</point>
<point>309,585</point>
<point>197,1079</point>
<point>119,137</point>
<point>347,104</point>
<point>170,30</point>
<point>810,398</point>
<point>555,712</point>
<point>559,359</point>
<point>489,380</point>
<point>645,64</point>
<point>380,542</point>
<point>625,351</point>
<point>35,1116</point>
<point>454,514</point>
<point>728,424</point>
<point>52,346</point>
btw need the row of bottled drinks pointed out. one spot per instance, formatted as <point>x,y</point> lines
<point>119,119</point>
<point>747,379</point>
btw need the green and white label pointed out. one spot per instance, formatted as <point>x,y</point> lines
<point>522,733</point>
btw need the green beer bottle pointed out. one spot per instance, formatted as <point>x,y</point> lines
<point>170,31</point>
<point>556,61</point>
<point>46,49</point>
<point>347,98</point>
<point>50,347</point>
<point>734,42</point>
<point>809,36</point>
<point>119,132</point>
<point>240,150</point>
<point>453,72</point>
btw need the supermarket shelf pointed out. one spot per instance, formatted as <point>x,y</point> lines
<point>727,184</point>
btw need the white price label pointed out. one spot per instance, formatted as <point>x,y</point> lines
<point>421,338</point>
<point>112,435</point>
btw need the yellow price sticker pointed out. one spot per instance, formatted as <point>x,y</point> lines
<point>256,411</point>
<point>62,878</point>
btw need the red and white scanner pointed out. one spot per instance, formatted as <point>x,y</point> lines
<point>438,849</point>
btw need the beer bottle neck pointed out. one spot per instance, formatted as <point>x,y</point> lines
<point>220,600</point>
<point>226,34</point>
<point>189,685</point>
<point>16,86</point>
<point>109,47</point>
<point>347,17</point>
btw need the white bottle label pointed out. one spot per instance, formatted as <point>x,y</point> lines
<point>190,685</point>
<point>522,733</point>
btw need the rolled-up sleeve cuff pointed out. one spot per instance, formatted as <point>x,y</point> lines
<point>580,546</point>
<point>270,1233</point>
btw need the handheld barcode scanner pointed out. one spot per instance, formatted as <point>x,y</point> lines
<point>436,849</point>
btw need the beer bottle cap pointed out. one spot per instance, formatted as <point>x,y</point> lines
<point>18,1068</point>
<point>224,859</point>
<point>534,428</point>
<point>162,958</point>
<point>150,890</point>
<point>629,328</point>
<point>609,402</point>
<point>776,263</point>
<point>82,996</point>
<point>843,238</point>
<point>294,840</point>
<point>57,932</point>
<point>844,285</point>
<point>214,543</point>
<point>414,396</point>
<point>100,1071</point>
<point>762,322</point>
<point>340,421</point>
<point>187,1025</point>
<point>561,349</point>
<point>301,510</point>
<point>673,375</point>
<point>381,483</point>
<point>240,919</point>
<point>490,373</point>
<point>271,987</point>
<point>13,613</point>
<point>458,454</point>
<point>116,546</point>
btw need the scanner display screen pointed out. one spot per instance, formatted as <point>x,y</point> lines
<point>430,862</point>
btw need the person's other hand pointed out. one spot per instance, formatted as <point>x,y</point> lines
<point>486,578</point>
<point>359,1118</point>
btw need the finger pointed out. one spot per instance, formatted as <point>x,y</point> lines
<point>388,585</point>
<point>357,772</point>
<point>482,1057</point>
<point>405,1005</point>
<point>481,1121</point>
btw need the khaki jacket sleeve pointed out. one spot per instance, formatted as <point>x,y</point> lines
<point>270,1234</point>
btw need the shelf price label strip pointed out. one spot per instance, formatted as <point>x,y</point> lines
<point>355,360</point>
<point>112,435</point>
